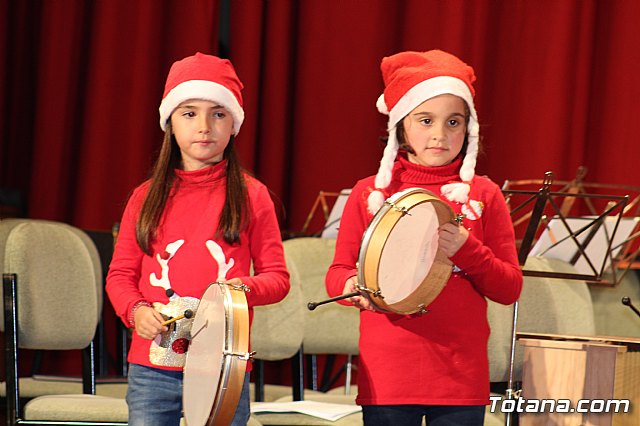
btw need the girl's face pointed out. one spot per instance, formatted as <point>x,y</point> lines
<point>202,130</point>
<point>436,130</point>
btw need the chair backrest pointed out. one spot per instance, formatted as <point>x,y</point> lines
<point>612,318</point>
<point>500,319</point>
<point>332,225</point>
<point>277,329</point>
<point>59,282</point>
<point>330,328</point>
<point>555,305</point>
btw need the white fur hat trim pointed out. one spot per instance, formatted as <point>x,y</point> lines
<point>205,90</point>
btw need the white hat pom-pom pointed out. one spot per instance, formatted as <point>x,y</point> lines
<point>375,201</point>
<point>456,192</point>
<point>382,105</point>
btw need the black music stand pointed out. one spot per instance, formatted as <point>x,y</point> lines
<point>601,214</point>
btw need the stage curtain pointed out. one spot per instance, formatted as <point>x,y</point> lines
<point>82,81</point>
<point>80,99</point>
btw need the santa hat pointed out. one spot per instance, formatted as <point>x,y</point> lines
<point>203,77</point>
<point>410,78</point>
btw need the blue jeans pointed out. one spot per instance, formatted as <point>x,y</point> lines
<point>154,397</point>
<point>411,415</point>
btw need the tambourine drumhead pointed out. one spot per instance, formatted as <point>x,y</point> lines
<point>399,255</point>
<point>212,377</point>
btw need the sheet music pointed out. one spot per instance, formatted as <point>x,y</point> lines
<point>596,249</point>
<point>322,410</point>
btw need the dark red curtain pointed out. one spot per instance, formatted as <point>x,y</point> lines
<point>81,82</point>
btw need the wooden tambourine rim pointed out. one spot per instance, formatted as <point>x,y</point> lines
<point>233,368</point>
<point>375,239</point>
<point>232,371</point>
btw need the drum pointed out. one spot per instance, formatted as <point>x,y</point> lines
<point>217,358</point>
<point>400,267</point>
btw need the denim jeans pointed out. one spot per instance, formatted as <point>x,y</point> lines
<point>154,397</point>
<point>243,411</point>
<point>411,415</point>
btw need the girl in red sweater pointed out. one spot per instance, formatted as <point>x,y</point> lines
<point>199,219</point>
<point>432,365</point>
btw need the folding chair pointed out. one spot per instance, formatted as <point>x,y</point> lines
<point>52,294</point>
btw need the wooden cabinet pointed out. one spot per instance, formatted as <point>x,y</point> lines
<point>578,380</point>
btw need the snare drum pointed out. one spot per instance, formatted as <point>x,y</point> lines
<point>217,358</point>
<point>400,267</point>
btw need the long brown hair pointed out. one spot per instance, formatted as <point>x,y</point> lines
<point>233,218</point>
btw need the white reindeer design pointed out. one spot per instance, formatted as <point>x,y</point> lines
<point>169,348</point>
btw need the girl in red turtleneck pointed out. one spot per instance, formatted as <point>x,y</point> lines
<point>199,219</point>
<point>432,365</point>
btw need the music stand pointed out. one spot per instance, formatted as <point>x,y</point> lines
<point>536,206</point>
<point>330,229</point>
<point>601,215</point>
<point>582,204</point>
<point>331,217</point>
<point>556,242</point>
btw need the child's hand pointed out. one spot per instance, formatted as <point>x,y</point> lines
<point>451,238</point>
<point>148,322</point>
<point>237,282</point>
<point>359,301</point>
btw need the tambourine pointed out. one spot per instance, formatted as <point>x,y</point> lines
<point>400,266</point>
<point>216,362</point>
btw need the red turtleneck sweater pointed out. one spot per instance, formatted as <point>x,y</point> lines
<point>439,358</point>
<point>181,259</point>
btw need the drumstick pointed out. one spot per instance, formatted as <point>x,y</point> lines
<point>312,305</point>
<point>187,314</point>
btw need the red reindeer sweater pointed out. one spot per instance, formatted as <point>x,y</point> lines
<point>187,256</point>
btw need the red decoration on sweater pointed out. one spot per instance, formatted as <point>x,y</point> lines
<point>180,346</point>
